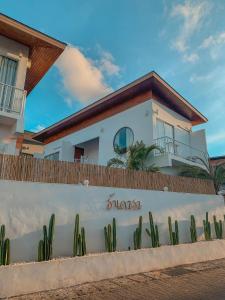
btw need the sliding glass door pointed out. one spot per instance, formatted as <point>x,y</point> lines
<point>165,136</point>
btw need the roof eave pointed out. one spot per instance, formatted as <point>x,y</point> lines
<point>147,80</point>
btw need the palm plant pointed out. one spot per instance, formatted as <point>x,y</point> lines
<point>136,158</point>
<point>215,173</point>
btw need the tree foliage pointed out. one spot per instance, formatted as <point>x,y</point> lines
<point>137,158</point>
<point>215,173</point>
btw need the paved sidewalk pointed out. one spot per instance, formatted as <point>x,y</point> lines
<point>197,281</point>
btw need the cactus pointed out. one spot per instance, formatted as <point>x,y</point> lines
<point>207,228</point>
<point>4,247</point>
<point>45,246</point>
<point>137,236</point>
<point>79,239</point>
<point>114,235</point>
<point>193,230</point>
<point>153,233</point>
<point>218,226</point>
<point>110,236</point>
<point>174,235</point>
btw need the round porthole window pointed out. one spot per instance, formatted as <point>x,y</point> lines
<point>123,139</point>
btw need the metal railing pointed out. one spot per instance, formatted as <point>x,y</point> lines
<point>85,160</point>
<point>12,99</point>
<point>174,147</point>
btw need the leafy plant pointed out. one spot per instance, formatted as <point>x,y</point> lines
<point>153,232</point>
<point>193,230</point>
<point>215,173</point>
<point>174,235</point>
<point>207,228</point>
<point>79,240</point>
<point>137,235</point>
<point>4,247</point>
<point>45,246</point>
<point>110,236</point>
<point>137,158</point>
<point>218,226</point>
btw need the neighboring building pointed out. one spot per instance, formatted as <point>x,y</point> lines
<point>217,160</point>
<point>30,146</point>
<point>25,56</point>
<point>147,109</point>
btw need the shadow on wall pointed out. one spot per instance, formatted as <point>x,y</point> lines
<point>25,248</point>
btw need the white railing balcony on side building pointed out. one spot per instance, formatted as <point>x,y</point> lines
<point>179,149</point>
<point>12,99</point>
<point>85,160</point>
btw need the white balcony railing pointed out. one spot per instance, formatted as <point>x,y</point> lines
<point>176,148</point>
<point>85,160</point>
<point>12,99</point>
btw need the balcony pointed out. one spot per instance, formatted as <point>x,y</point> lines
<point>85,160</point>
<point>180,153</point>
<point>12,100</point>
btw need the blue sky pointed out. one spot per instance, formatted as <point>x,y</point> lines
<point>114,42</point>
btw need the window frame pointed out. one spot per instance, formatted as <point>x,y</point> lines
<point>121,152</point>
<point>48,157</point>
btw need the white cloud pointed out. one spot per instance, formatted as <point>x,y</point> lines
<point>38,128</point>
<point>206,77</point>
<point>216,137</point>
<point>214,40</point>
<point>107,64</point>
<point>192,58</point>
<point>192,15</point>
<point>214,44</point>
<point>81,77</point>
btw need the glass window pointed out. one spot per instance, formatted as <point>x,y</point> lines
<point>8,68</point>
<point>164,129</point>
<point>53,156</point>
<point>123,139</point>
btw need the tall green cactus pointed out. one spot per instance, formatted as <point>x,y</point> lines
<point>218,226</point>
<point>4,247</point>
<point>193,230</point>
<point>45,246</point>
<point>153,233</point>
<point>207,228</point>
<point>137,235</point>
<point>79,239</point>
<point>174,235</point>
<point>110,237</point>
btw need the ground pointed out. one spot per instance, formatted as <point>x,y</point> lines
<point>197,281</point>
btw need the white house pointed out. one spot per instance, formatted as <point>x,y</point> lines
<point>147,109</point>
<point>25,56</point>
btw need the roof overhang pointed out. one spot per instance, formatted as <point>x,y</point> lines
<point>151,81</point>
<point>43,49</point>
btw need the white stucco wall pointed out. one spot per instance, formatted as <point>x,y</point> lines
<point>18,52</point>
<point>138,118</point>
<point>142,120</point>
<point>198,141</point>
<point>25,207</point>
<point>29,278</point>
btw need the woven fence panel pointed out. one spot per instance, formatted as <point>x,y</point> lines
<point>23,168</point>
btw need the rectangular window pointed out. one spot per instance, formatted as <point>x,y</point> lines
<point>165,136</point>
<point>8,69</point>
<point>164,129</point>
<point>52,156</point>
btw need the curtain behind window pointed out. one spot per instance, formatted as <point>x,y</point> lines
<point>8,69</point>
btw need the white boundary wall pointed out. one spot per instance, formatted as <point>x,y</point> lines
<point>33,277</point>
<point>25,207</point>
